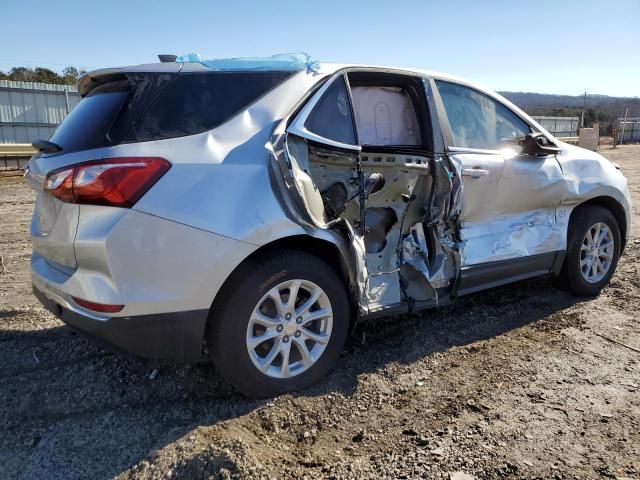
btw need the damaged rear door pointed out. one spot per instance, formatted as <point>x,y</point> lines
<point>360,153</point>
<point>508,222</point>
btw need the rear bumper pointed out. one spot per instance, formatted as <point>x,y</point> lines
<point>166,336</point>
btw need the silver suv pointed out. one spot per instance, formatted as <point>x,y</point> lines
<point>253,215</point>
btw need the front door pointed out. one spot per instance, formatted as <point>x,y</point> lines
<point>509,200</point>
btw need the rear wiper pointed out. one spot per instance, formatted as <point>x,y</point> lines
<point>46,146</point>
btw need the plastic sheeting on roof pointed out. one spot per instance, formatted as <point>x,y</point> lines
<point>282,61</point>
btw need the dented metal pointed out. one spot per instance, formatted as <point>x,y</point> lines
<point>480,207</point>
<point>510,212</point>
<point>262,176</point>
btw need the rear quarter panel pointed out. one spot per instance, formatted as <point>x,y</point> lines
<point>219,181</point>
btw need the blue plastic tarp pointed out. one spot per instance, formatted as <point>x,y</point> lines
<point>282,61</point>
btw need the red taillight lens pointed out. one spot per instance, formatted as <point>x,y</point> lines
<point>59,183</point>
<point>116,182</point>
<point>98,307</point>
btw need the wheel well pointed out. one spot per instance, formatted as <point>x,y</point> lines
<point>615,208</point>
<point>322,249</point>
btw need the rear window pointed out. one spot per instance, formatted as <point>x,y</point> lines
<point>197,102</point>
<point>151,106</point>
<point>88,123</point>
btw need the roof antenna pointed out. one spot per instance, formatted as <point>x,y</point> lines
<point>167,58</point>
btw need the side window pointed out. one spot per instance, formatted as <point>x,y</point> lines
<point>478,121</point>
<point>197,102</point>
<point>332,118</point>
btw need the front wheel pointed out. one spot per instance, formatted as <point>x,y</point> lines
<point>281,324</point>
<point>593,248</point>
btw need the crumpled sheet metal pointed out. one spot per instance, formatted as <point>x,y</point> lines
<point>445,226</point>
<point>415,251</point>
<point>510,213</point>
<point>359,255</point>
<point>587,176</point>
<point>447,256</point>
<point>284,184</point>
<point>529,234</point>
<point>282,61</point>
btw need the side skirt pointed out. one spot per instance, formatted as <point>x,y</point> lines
<point>488,275</point>
<point>443,299</point>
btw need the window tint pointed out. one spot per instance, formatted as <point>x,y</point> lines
<point>332,118</point>
<point>145,88</point>
<point>88,123</point>
<point>478,121</point>
<point>197,102</point>
<point>152,106</point>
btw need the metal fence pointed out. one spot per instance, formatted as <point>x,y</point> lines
<point>29,111</point>
<point>628,130</point>
<point>559,126</point>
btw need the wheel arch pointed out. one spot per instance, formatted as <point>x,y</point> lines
<point>333,253</point>
<point>614,207</point>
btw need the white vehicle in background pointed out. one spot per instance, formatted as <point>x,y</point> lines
<point>257,212</point>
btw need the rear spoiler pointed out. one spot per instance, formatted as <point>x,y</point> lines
<point>95,78</point>
<point>91,80</point>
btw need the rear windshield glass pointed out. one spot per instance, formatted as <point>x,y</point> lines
<point>88,123</point>
<point>197,102</point>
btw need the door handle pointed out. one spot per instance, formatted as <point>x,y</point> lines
<point>475,172</point>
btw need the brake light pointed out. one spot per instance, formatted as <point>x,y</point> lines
<point>116,182</point>
<point>60,184</point>
<point>98,307</point>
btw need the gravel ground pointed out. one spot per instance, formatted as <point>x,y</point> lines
<point>516,382</point>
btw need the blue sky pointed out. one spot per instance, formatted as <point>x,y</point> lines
<point>543,46</point>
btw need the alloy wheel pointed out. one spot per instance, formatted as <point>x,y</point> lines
<point>289,328</point>
<point>596,252</point>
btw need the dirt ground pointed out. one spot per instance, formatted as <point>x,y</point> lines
<point>517,382</point>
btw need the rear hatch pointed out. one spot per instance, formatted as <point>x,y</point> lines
<point>112,102</point>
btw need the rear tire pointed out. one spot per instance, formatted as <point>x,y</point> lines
<point>593,248</point>
<point>255,327</point>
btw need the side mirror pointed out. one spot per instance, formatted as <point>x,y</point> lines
<point>532,145</point>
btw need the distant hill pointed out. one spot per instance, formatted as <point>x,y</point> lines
<point>546,100</point>
<point>599,108</point>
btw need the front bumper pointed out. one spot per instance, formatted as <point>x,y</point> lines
<point>166,336</point>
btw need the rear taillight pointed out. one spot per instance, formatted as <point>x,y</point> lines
<point>116,182</point>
